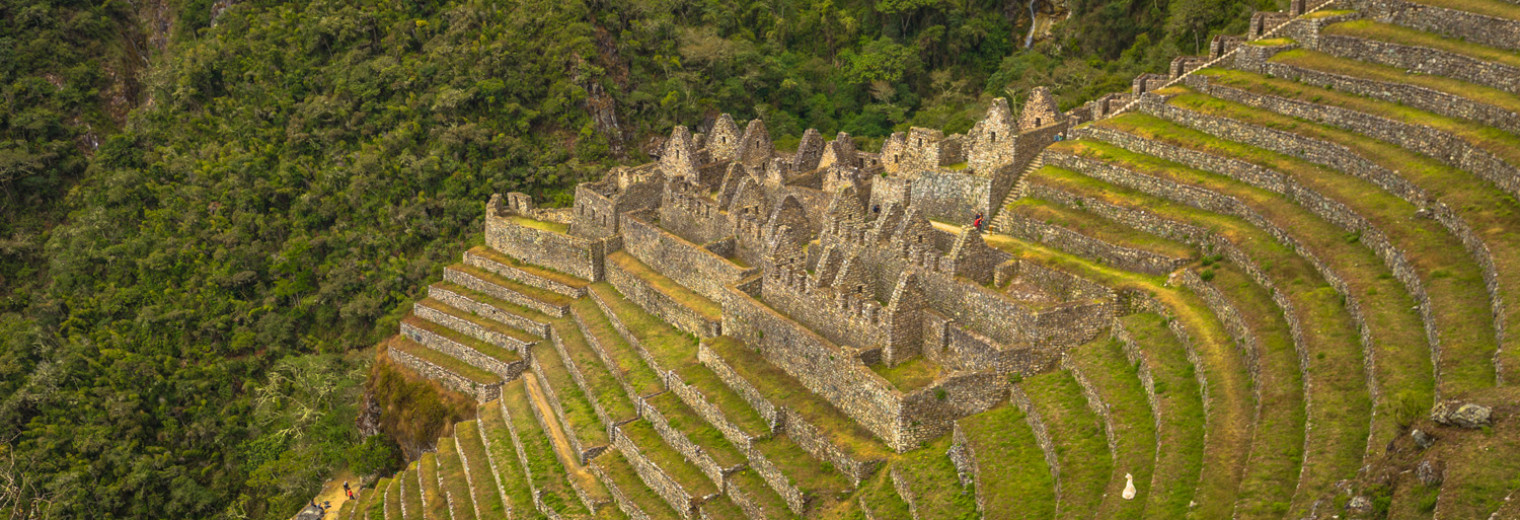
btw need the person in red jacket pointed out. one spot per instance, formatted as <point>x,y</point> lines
<point>978,222</point>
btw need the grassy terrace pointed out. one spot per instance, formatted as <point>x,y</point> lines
<point>1322,62</point>
<point>1014,482</point>
<point>473,448</point>
<point>536,270</point>
<point>734,408</point>
<point>668,459</point>
<point>820,479</point>
<point>1494,8</point>
<point>665,285</point>
<point>1500,143</point>
<point>910,375</point>
<point>624,360</point>
<point>579,417</point>
<point>1453,282</point>
<point>761,493</point>
<point>491,325</point>
<point>454,484</point>
<point>1484,466</point>
<point>543,295</point>
<point>1077,435</point>
<point>881,498</point>
<point>1116,382</point>
<point>1097,227</point>
<point>450,363</point>
<point>937,491</point>
<point>540,224</point>
<point>492,351</point>
<point>600,385</point>
<point>783,389</point>
<point>499,304</point>
<point>685,420</point>
<point>544,467</point>
<point>1493,215</point>
<point>1277,450</point>
<point>1182,412</point>
<point>411,495</point>
<point>622,476</point>
<point>504,455</point>
<point>436,507</point>
<point>392,501</point>
<point>1342,403</point>
<point>669,346</point>
<point>1405,36</point>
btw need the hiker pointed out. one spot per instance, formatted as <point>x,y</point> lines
<point>1060,137</point>
<point>978,222</point>
<point>876,208</point>
<point>347,491</point>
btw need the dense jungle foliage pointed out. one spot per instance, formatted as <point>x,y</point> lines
<point>210,209</point>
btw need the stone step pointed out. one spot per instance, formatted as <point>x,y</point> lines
<point>369,500</point>
<point>473,326</point>
<point>547,472</point>
<point>1006,465</point>
<point>492,308</point>
<point>411,494</point>
<point>1082,233</point>
<point>1445,96</point>
<point>621,359</point>
<point>480,280</point>
<point>392,509</point>
<point>608,396</point>
<point>751,494</point>
<point>577,417</point>
<point>661,346</point>
<point>529,274</point>
<point>1489,22</point>
<point>453,373</point>
<point>698,442</point>
<point>663,297</point>
<point>435,506</point>
<point>629,492</point>
<point>490,501</point>
<point>1422,52</point>
<point>679,482</point>
<point>504,363</point>
<point>1166,371</point>
<point>453,483</point>
<point>502,453</point>
<point>928,480</point>
<point>878,499</point>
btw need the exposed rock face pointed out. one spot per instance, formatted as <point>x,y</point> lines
<point>1457,413</point>
<point>1429,473</point>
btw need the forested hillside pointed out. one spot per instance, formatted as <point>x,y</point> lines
<point>210,207</point>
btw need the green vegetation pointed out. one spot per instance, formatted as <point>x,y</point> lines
<point>624,362</point>
<point>653,447</point>
<point>503,454</point>
<point>675,291</point>
<point>453,481</point>
<point>447,362</point>
<point>1013,480</point>
<point>491,325</point>
<point>1326,63</point>
<point>909,375</point>
<point>753,486</point>
<point>1496,8</point>
<point>622,476</point>
<point>554,227</point>
<point>499,304</point>
<point>931,478</point>
<point>580,418</point>
<point>808,474</point>
<point>1405,36</point>
<point>537,270</point>
<point>543,295</point>
<point>669,347</point>
<point>1086,223</point>
<point>391,500</point>
<point>683,419</point>
<point>411,494</point>
<point>733,406</point>
<point>601,386</point>
<point>546,471</point>
<point>473,449</point>
<point>489,350</point>
<point>435,506</point>
<point>1076,434</point>
<point>1117,384</point>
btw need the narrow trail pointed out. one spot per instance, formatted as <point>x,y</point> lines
<point>562,448</point>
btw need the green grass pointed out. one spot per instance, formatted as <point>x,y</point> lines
<point>579,415</point>
<point>1014,482</point>
<point>491,325</point>
<point>812,477</point>
<point>734,407</point>
<point>540,224</point>
<point>436,507</point>
<point>473,448</point>
<point>670,347</point>
<point>685,420</point>
<point>1482,466</point>
<point>720,508</point>
<point>1270,42</point>
<point>503,452</point>
<point>1452,280</point>
<point>543,295</point>
<point>536,270</point>
<point>1405,36</point>
<point>910,375</point>
<point>1117,383</point>
<point>544,467</point>
<point>668,459</point>
<point>1500,143</point>
<point>411,495</point>
<point>450,363</point>
<point>879,495</point>
<point>1076,434</point>
<point>500,304</point>
<point>1342,402</point>
<point>625,361</point>
<point>680,294</point>
<point>1326,13</point>
<point>1180,460</point>
<point>454,483</point>
<point>491,351</point>
<point>1099,228</point>
<point>601,386</point>
<point>1322,62</point>
<point>1494,8</point>
<point>1493,215</point>
<point>752,485</point>
<point>1277,448</point>
<point>937,491</point>
<point>783,389</point>
<point>392,501</point>
<point>626,479</point>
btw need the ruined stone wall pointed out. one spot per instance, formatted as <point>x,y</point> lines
<point>688,264</point>
<point>463,301</point>
<point>1403,93</point>
<point>450,380</point>
<point>696,219</point>
<point>595,214</point>
<point>1127,258</point>
<point>1424,60</point>
<point>1473,27</point>
<point>653,476</point>
<point>848,320</point>
<point>954,196</point>
<point>507,371</point>
<point>651,299</point>
<point>931,411</point>
<point>577,256</point>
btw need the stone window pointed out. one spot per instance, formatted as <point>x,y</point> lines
<point>994,137</point>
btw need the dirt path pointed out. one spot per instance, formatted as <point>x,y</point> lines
<point>332,492</point>
<point>562,448</point>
